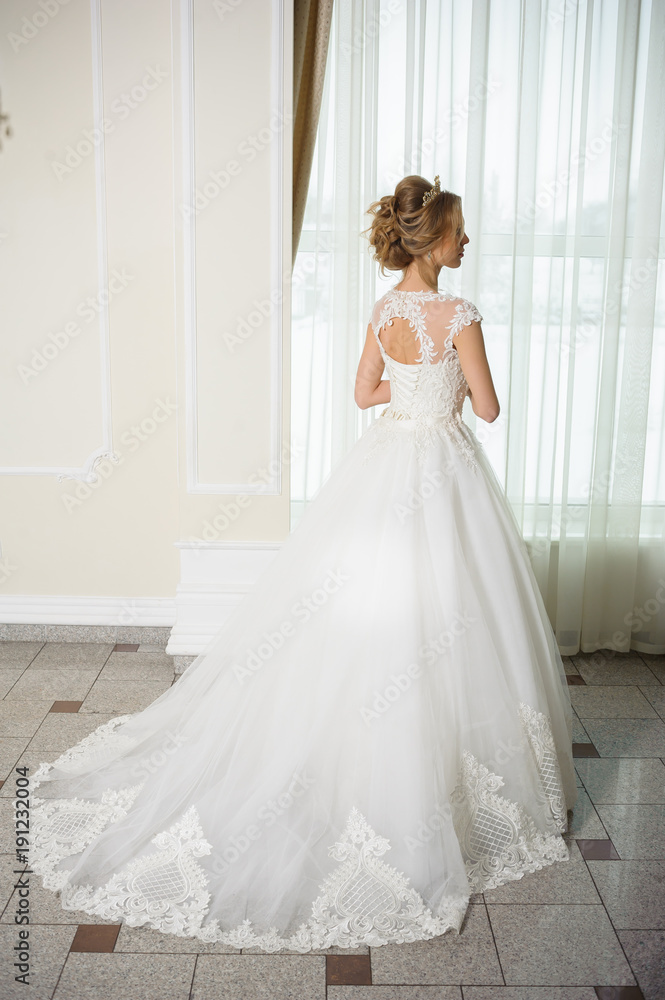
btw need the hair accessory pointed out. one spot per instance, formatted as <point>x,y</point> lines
<point>432,191</point>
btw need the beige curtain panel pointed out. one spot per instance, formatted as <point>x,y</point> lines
<point>311,33</point>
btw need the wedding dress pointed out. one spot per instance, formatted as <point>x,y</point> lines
<point>380,730</point>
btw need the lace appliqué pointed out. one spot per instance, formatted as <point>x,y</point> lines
<point>406,307</point>
<point>426,431</point>
<point>363,901</point>
<point>541,741</point>
<point>465,314</point>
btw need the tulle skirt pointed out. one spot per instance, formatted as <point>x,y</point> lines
<point>381,729</point>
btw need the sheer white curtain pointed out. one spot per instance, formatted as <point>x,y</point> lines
<point>549,120</point>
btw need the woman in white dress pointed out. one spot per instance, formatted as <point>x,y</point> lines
<point>383,727</point>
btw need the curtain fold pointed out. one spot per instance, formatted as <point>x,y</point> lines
<point>311,33</point>
<point>548,119</point>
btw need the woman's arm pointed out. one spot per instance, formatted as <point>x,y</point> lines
<point>470,346</point>
<point>370,389</point>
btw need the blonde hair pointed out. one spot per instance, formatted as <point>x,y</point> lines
<point>403,229</point>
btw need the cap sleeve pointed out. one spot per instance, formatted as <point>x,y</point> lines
<point>465,314</point>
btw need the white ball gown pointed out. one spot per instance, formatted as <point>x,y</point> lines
<point>381,729</point>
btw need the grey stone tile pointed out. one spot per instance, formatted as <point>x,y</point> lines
<point>622,779</point>
<point>49,947</point>
<point>627,737</point>
<point>8,679</point>
<point>569,666</point>
<point>56,683</point>
<point>585,823</point>
<point>636,830</point>
<point>553,956</point>
<point>656,697</point>
<point>63,730</point>
<point>646,954</point>
<point>31,760</point>
<point>606,667</point>
<point>152,634</point>
<point>260,977</point>
<point>152,647</point>
<point>23,633</point>
<point>89,976</point>
<point>562,882</point>
<point>580,734</point>
<point>82,655</point>
<point>144,940</point>
<point>10,751</point>
<point>81,633</point>
<point>395,993</point>
<point>632,891</point>
<point>152,666</point>
<point>122,697</point>
<point>8,868</point>
<point>17,655</point>
<point>22,718</point>
<point>656,663</point>
<point>611,701</point>
<point>450,959</point>
<point>530,993</point>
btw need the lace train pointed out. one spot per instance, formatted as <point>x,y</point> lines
<point>363,901</point>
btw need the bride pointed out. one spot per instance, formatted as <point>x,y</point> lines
<point>383,727</point>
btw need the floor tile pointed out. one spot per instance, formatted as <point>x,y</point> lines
<point>636,830</point>
<point>146,940</point>
<point>45,905</point>
<point>66,707</point>
<point>530,993</point>
<point>49,947</point>
<point>122,697</point>
<point>55,683</point>
<point>580,734</point>
<point>585,749</point>
<point>633,892</point>
<point>585,823</point>
<point>656,697</point>
<point>125,647</point>
<point>126,977</point>
<point>555,955</point>
<point>656,663</point>
<point>140,666</point>
<point>396,993</point>
<point>61,731</point>
<point>627,737</point>
<point>17,655</point>
<point>598,850</point>
<point>16,632</point>
<point>348,970</point>
<point>8,679</point>
<point>450,959</point>
<point>622,779</point>
<point>562,882</point>
<point>646,954</point>
<point>620,668</point>
<point>260,977</point>
<point>611,701</point>
<point>9,873</point>
<point>97,938</point>
<point>10,751</point>
<point>81,655</point>
<point>31,760</point>
<point>22,718</point>
<point>96,635</point>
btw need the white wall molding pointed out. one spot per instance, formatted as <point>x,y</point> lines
<point>272,484</point>
<point>86,471</point>
<point>213,580</point>
<point>63,609</point>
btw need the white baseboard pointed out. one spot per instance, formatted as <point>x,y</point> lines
<point>63,609</point>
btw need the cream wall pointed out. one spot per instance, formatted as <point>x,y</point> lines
<point>121,113</point>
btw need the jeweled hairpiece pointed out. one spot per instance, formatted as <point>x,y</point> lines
<point>432,191</point>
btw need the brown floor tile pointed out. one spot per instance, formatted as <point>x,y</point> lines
<point>65,706</point>
<point>348,970</point>
<point>584,750</point>
<point>575,679</point>
<point>125,647</point>
<point>598,850</point>
<point>95,937</point>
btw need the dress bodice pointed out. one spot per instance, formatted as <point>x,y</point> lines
<point>434,386</point>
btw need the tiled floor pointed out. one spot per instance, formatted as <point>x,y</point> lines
<point>592,928</point>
